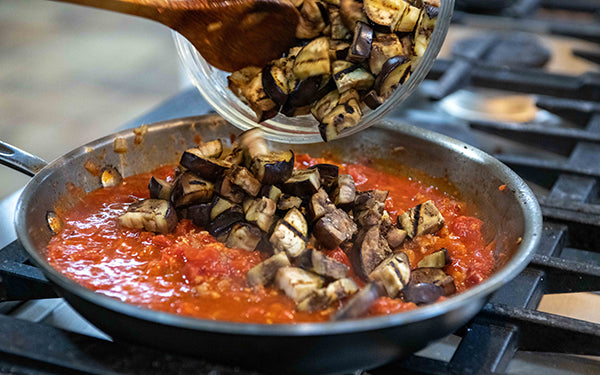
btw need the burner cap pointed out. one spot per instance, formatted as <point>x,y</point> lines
<point>514,50</point>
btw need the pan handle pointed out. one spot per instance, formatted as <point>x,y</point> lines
<point>20,160</point>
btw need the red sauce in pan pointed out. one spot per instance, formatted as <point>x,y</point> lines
<point>188,272</point>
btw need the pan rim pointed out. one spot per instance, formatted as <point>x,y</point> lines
<point>522,193</point>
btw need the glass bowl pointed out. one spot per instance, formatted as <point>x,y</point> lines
<point>212,84</point>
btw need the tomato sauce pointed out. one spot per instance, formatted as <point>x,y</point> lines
<point>188,272</point>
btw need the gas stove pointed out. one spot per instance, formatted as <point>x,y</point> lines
<point>516,78</point>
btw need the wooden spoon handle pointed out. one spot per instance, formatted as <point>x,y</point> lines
<point>142,8</point>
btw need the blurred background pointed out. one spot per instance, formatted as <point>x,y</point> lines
<point>70,74</point>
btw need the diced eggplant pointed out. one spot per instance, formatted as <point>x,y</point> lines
<point>438,259</point>
<point>307,91</point>
<point>422,219</point>
<point>199,214</point>
<point>434,276</point>
<point>241,78</point>
<point>334,228</point>
<point>261,212</point>
<point>159,189</point>
<point>242,177</point>
<point>287,202</point>
<point>230,191</point>
<point>244,236</point>
<point>325,105</point>
<point>272,192</point>
<point>393,273</point>
<point>212,149</point>
<point>407,45</point>
<point>328,173</point>
<point>221,225</point>
<point>384,46</point>
<point>294,111</point>
<point>360,303</point>
<point>339,65</point>
<point>297,283</point>
<point>406,20</point>
<point>303,182</point>
<point>345,191</point>
<point>354,77</point>
<point>189,188</point>
<point>287,237</point>
<point>395,237</point>
<point>324,297</point>
<point>369,207</point>
<point>343,116</point>
<point>210,169</point>
<point>393,72</point>
<point>422,293</point>
<point>372,100</point>
<point>351,12</point>
<point>273,168</point>
<point>153,215</point>
<point>275,83</point>
<point>361,43</point>
<point>311,21</point>
<point>368,251</point>
<point>384,12</point>
<point>264,272</point>
<point>319,205</point>
<point>326,266</point>
<point>313,59</point>
<point>235,156</point>
<point>424,28</point>
<point>338,50</point>
<point>254,143</point>
<point>339,31</point>
<point>219,206</point>
<point>257,99</point>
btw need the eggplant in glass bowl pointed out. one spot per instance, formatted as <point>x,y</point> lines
<point>388,72</point>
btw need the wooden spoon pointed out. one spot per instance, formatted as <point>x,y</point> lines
<point>229,34</point>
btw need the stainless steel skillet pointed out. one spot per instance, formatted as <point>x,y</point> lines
<point>512,220</point>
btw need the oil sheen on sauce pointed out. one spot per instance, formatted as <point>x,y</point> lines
<point>188,272</point>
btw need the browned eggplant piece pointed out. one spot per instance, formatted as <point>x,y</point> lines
<point>212,149</point>
<point>290,233</point>
<point>360,303</point>
<point>258,100</point>
<point>338,50</point>
<point>325,105</point>
<point>328,173</point>
<point>153,215</point>
<point>339,31</point>
<point>324,297</point>
<point>339,65</point>
<point>395,237</point>
<point>354,77</point>
<point>334,228</point>
<point>275,83</point>
<point>384,46</point>
<point>393,273</point>
<point>242,177</point>
<point>261,212</point>
<point>393,72</point>
<point>254,143</point>
<point>221,225</point>
<point>241,78</point>
<point>303,182</point>
<point>343,116</point>
<point>407,45</point>
<point>384,12</point>
<point>311,21</point>
<point>433,276</point>
<point>307,91</point>
<point>351,12</point>
<point>295,111</point>
<point>159,189</point>
<point>326,266</point>
<point>273,168</point>
<point>422,219</point>
<point>272,192</point>
<point>319,205</point>
<point>372,100</point>
<point>199,214</point>
<point>422,293</point>
<point>345,191</point>
<point>360,50</point>
<point>438,259</point>
<point>189,188</point>
<point>424,28</point>
<point>297,283</point>
<point>219,206</point>
<point>406,21</point>
<point>264,272</point>
<point>244,236</point>
<point>230,191</point>
<point>313,59</point>
<point>204,167</point>
<point>368,251</point>
<point>369,207</point>
<point>287,202</point>
<point>235,156</point>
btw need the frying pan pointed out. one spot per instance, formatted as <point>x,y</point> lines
<point>511,215</point>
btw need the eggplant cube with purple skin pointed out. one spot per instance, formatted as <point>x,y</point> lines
<point>153,215</point>
<point>422,219</point>
<point>290,233</point>
<point>297,283</point>
<point>393,273</point>
<point>264,272</point>
<point>322,298</point>
<point>334,228</point>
